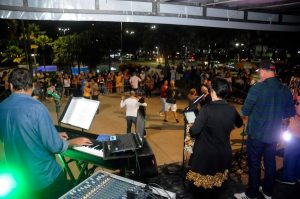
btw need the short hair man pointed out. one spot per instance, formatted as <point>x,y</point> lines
<point>31,140</point>
<point>267,104</point>
<point>132,106</point>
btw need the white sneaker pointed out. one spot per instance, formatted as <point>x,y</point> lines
<point>241,196</point>
<point>264,195</point>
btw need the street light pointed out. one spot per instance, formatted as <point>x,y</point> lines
<point>157,50</point>
<point>64,30</point>
<point>153,27</point>
<point>129,32</point>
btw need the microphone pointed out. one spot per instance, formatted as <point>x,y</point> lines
<point>194,102</point>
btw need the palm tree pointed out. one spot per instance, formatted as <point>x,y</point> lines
<point>62,55</point>
<point>29,35</point>
<point>43,41</point>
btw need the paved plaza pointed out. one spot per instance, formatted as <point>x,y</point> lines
<point>165,138</point>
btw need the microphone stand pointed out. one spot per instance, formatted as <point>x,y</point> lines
<point>185,127</point>
<point>194,102</point>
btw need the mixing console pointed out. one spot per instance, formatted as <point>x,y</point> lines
<point>103,185</point>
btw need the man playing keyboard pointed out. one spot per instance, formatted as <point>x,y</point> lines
<point>31,141</point>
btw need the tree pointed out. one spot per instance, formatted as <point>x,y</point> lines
<point>43,41</point>
<point>13,54</point>
<point>62,50</point>
<point>30,32</point>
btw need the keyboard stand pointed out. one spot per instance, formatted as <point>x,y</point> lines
<point>74,161</point>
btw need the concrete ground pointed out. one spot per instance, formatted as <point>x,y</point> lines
<point>165,138</point>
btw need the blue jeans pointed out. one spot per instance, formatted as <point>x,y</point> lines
<point>130,120</point>
<point>255,151</point>
<point>291,161</point>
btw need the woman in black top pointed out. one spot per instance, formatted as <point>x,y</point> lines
<point>212,154</point>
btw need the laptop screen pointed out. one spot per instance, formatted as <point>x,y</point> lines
<point>140,127</point>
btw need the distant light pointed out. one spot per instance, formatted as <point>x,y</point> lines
<point>298,52</point>
<point>8,183</point>
<point>286,136</point>
<point>242,44</point>
<point>153,27</point>
<point>237,44</point>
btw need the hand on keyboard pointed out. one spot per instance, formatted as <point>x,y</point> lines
<point>81,141</point>
<point>63,135</point>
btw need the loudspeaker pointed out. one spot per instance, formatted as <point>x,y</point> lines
<point>142,167</point>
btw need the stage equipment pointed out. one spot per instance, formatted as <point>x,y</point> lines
<point>286,136</point>
<point>188,142</point>
<point>87,160</point>
<point>105,185</point>
<point>79,112</point>
<point>239,160</point>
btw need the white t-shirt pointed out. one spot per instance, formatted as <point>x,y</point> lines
<point>134,81</point>
<point>132,106</point>
<point>67,83</point>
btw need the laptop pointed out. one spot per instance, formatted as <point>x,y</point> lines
<point>128,141</point>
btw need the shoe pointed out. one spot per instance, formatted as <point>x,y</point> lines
<point>241,196</point>
<point>177,120</point>
<point>165,120</point>
<point>264,195</point>
<point>282,181</point>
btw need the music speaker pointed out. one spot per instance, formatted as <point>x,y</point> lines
<point>143,167</point>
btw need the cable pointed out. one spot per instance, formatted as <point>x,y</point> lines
<point>137,163</point>
<point>157,185</point>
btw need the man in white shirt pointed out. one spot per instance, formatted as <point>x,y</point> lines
<point>132,105</point>
<point>134,82</point>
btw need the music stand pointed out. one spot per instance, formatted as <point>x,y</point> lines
<point>189,118</point>
<point>79,112</point>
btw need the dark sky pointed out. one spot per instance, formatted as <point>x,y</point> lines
<point>51,27</point>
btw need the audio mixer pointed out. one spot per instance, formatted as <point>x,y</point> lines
<point>103,185</point>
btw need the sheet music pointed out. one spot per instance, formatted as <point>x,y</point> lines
<point>190,117</point>
<point>80,112</point>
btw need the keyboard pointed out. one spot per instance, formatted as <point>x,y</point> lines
<point>95,149</point>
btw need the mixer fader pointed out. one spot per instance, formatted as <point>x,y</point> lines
<point>102,185</point>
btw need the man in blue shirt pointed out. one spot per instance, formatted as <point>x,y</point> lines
<point>31,140</point>
<point>267,104</point>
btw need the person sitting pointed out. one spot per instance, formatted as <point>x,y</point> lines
<point>31,141</point>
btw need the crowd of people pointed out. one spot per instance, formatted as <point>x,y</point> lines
<point>269,106</point>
